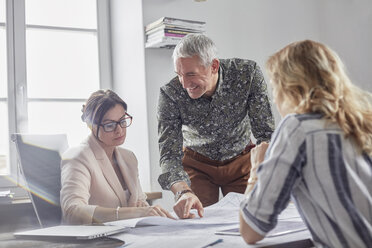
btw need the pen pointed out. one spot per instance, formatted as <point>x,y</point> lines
<point>213,243</point>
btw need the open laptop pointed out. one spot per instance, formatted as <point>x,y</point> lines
<point>71,232</point>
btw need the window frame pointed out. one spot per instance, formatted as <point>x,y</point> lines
<point>17,75</point>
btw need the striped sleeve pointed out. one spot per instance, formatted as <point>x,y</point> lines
<point>277,175</point>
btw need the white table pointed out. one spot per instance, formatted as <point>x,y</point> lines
<point>200,235</point>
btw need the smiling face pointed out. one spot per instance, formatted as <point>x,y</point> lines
<point>198,80</point>
<point>116,137</point>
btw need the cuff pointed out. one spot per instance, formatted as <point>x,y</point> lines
<point>166,180</point>
<point>256,224</point>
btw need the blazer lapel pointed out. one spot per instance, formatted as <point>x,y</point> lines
<point>107,170</point>
<point>129,179</point>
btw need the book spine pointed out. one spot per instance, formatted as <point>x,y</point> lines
<point>152,36</point>
<point>175,28</point>
<point>163,42</point>
<point>176,22</point>
<point>173,31</point>
<point>174,35</point>
<point>164,39</point>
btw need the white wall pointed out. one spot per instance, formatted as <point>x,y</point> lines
<point>346,26</point>
<point>252,29</point>
<point>240,28</point>
<point>129,78</point>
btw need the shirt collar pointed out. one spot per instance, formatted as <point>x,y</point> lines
<point>220,83</point>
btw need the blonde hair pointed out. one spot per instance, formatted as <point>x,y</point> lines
<point>311,77</point>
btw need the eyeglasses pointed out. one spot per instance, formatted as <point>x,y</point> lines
<point>111,126</point>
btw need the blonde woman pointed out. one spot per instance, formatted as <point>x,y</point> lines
<point>99,178</point>
<point>319,155</point>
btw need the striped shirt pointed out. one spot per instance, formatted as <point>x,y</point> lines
<point>328,179</point>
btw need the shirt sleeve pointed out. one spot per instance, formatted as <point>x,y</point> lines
<point>277,175</point>
<point>170,142</point>
<point>75,180</point>
<point>260,113</point>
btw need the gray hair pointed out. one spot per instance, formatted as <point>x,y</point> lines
<point>196,44</point>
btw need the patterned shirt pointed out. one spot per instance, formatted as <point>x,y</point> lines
<point>329,180</point>
<point>218,128</point>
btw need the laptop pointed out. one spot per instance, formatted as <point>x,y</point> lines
<point>71,232</point>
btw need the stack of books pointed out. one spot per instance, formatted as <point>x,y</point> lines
<point>167,32</point>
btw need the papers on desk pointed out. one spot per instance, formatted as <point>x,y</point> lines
<point>225,212</point>
<point>284,227</point>
<point>289,221</point>
<point>212,216</point>
<point>231,200</point>
<point>200,232</point>
<point>222,213</point>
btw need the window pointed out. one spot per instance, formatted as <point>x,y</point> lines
<point>58,54</point>
<point>4,147</point>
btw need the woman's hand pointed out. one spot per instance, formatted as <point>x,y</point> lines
<point>258,154</point>
<point>137,212</point>
<point>156,211</point>
<point>142,203</point>
<point>257,157</point>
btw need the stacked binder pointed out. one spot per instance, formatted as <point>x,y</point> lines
<point>167,32</point>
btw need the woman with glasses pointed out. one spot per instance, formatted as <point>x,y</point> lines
<point>100,179</point>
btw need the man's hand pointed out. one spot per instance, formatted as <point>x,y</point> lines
<point>187,202</point>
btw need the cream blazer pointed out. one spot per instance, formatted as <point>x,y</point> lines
<point>89,180</point>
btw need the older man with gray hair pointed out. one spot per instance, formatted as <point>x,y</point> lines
<point>205,118</point>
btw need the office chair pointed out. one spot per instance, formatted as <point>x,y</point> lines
<point>39,158</point>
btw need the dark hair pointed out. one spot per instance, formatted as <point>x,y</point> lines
<point>98,104</point>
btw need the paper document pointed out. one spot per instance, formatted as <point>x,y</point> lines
<point>231,200</point>
<point>212,216</point>
<point>283,227</point>
<point>289,220</point>
<point>223,212</point>
<point>200,232</point>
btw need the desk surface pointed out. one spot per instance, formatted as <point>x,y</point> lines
<point>156,237</point>
<point>201,232</point>
<point>199,236</point>
<point>191,235</point>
